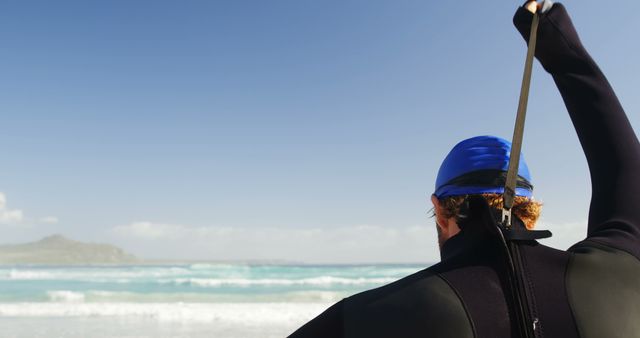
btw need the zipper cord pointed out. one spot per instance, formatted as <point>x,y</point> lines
<point>518,130</point>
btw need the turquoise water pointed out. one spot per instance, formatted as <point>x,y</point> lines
<point>222,300</point>
<point>192,283</point>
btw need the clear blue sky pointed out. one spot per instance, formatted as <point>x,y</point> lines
<point>255,129</point>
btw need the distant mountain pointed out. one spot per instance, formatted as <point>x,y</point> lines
<point>58,249</point>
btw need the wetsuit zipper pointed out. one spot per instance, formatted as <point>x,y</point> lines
<point>526,324</point>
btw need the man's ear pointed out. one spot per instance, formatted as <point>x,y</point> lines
<point>441,221</point>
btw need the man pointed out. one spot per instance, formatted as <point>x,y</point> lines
<point>477,290</point>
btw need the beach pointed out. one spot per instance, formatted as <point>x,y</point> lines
<point>181,300</point>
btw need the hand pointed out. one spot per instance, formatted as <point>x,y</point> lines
<point>533,6</point>
<point>558,42</point>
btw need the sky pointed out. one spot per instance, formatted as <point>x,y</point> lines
<point>294,130</point>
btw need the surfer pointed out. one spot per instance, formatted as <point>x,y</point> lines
<point>480,289</point>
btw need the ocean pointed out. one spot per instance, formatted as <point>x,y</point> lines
<point>177,300</point>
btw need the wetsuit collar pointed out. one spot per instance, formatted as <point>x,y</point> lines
<point>454,246</point>
<point>469,238</point>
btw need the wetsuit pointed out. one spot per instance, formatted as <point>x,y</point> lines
<point>590,290</point>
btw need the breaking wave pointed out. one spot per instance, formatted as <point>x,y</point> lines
<point>241,313</point>
<point>315,281</point>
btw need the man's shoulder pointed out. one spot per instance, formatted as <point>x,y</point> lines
<point>422,280</point>
<point>421,302</point>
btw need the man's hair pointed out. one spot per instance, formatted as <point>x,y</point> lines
<point>525,208</point>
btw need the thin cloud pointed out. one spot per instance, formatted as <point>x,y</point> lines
<point>17,218</point>
<point>152,231</point>
<point>350,244</point>
<point>9,216</point>
<point>49,220</point>
<point>564,234</point>
<point>361,243</point>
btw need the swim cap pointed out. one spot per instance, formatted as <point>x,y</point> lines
<point>478,166</point>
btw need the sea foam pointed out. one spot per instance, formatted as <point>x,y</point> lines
<point>65,296</point>
<point>316,281</point>
<point>231,313</point>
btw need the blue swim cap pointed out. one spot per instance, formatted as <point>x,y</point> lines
<point>479,165</point>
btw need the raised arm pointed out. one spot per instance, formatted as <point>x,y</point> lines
<point>606,136</point>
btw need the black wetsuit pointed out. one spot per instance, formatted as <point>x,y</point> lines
<point>590,290</point>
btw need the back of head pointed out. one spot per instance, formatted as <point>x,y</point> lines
<point>478,166</point>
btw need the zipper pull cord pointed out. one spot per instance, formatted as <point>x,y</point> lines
<point>518,130</point>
